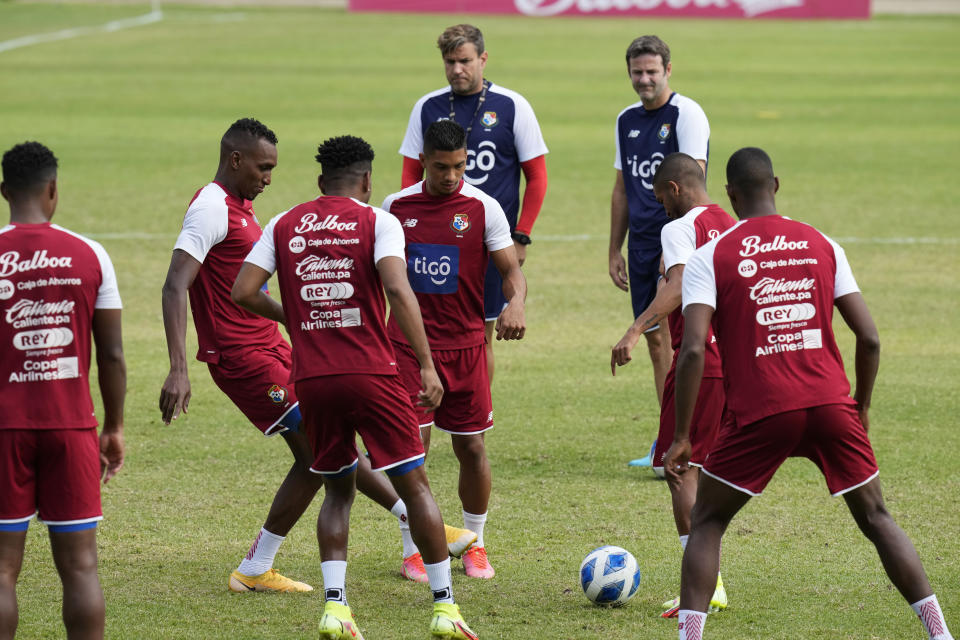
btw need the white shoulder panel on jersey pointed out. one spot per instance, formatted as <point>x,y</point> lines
<point>206,222</point>
<point>843,282</point>
<point>527,137</point>
<point>264,251</point>
<point>693,130</point>
<point>403,193</point>
<point>679,239</point>
<point>496,232</point>
<point>699,277</point>
<point>108,295</point>
<point>616,134</point>
<point>389,240</point>
<point>412,143</point>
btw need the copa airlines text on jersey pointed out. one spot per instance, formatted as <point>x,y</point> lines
<point>10,262</point>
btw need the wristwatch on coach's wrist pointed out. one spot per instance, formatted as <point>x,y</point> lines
<point>520,238</point>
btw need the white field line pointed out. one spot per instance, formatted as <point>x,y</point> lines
<point>156,15</point>
<point>582,237</point>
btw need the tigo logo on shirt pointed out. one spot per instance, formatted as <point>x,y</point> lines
<point>433,268</point>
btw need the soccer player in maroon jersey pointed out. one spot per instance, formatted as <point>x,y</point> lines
<point>451,229</point>
<point>247,357</point>
<point>335,256</point>
<point>769,286</point>
<point>56,289</point>
<point>680,186</point>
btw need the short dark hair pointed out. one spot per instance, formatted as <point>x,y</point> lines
<point>344,155</point>
<point>458,35</point>
<point>444,135</point>
<point>750,170</point>
<point>246,129</point>
<point>28,165</point>
<point>649,45</point>
<point>680,168</point>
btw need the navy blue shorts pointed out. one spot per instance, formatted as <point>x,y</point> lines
<point>494,302</point>
<point>643,269</point>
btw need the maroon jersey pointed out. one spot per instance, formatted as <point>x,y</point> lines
<point>448,242</point>
<point>680,238</point>
<point>325,253</point>
<point>772,282</point>
<point>51,280</point>
<point>219,229</point>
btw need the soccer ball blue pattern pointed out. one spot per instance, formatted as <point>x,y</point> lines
<point>609,576</point>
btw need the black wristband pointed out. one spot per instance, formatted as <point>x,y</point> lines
<point>520,238</point>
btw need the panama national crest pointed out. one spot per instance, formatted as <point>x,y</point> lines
<point>277,394</point>
<point>664,132</point>
<point>460,222</point>
<point>489,119</point>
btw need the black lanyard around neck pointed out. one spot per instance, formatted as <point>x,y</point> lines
<point>473,118</point>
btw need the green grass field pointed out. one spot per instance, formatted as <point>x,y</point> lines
<point>861,121</point>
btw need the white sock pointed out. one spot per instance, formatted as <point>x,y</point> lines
<point>334,580</point>
<point>260,557</point>
<point>409,546</point>
<point>683,541</point>
<point>475,523</point>
<point>928,610</point>
<point>690,624</point>
<point>440,582</point>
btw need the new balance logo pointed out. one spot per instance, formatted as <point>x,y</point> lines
<point>410,222</point>
<point>634,133</point>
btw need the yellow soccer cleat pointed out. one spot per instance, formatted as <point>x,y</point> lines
<point>448,623</point>
<point>719,600</point>
<point>458,540</point>
<point>337,623</point>
<point>268,581</point>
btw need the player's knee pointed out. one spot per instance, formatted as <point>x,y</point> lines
<point>469,449</point>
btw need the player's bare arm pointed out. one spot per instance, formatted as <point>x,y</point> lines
<point>666,300</point>
<point>112,379</point>
<point>248,293</point>
<point>175,392</point>
<point>619,216</point>
<point>696,328</point>
<point>512,323</point>
<point>406,311</point>
<point>855,313</point>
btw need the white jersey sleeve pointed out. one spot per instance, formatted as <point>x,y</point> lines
<point>679,241</point>
<point>412,143</point>
<point>205,223</point>
<point>699,279</point>
<point>693,130</point>
<point>388,237</point>
<point>527,137</point>
<point>496,231</point>
<point>616,139</point>
<point>264,252</point>
<point>843,282</point>
<point>108,294</point>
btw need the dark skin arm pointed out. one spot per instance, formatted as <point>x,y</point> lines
<point>696,327</point>
<point>248,293</point>
<point>175,392</point>
<point>112,379</point>
<point>405,309</point>
<point>512,323</point>
<point>667,299</point>
<point>853,309</point>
